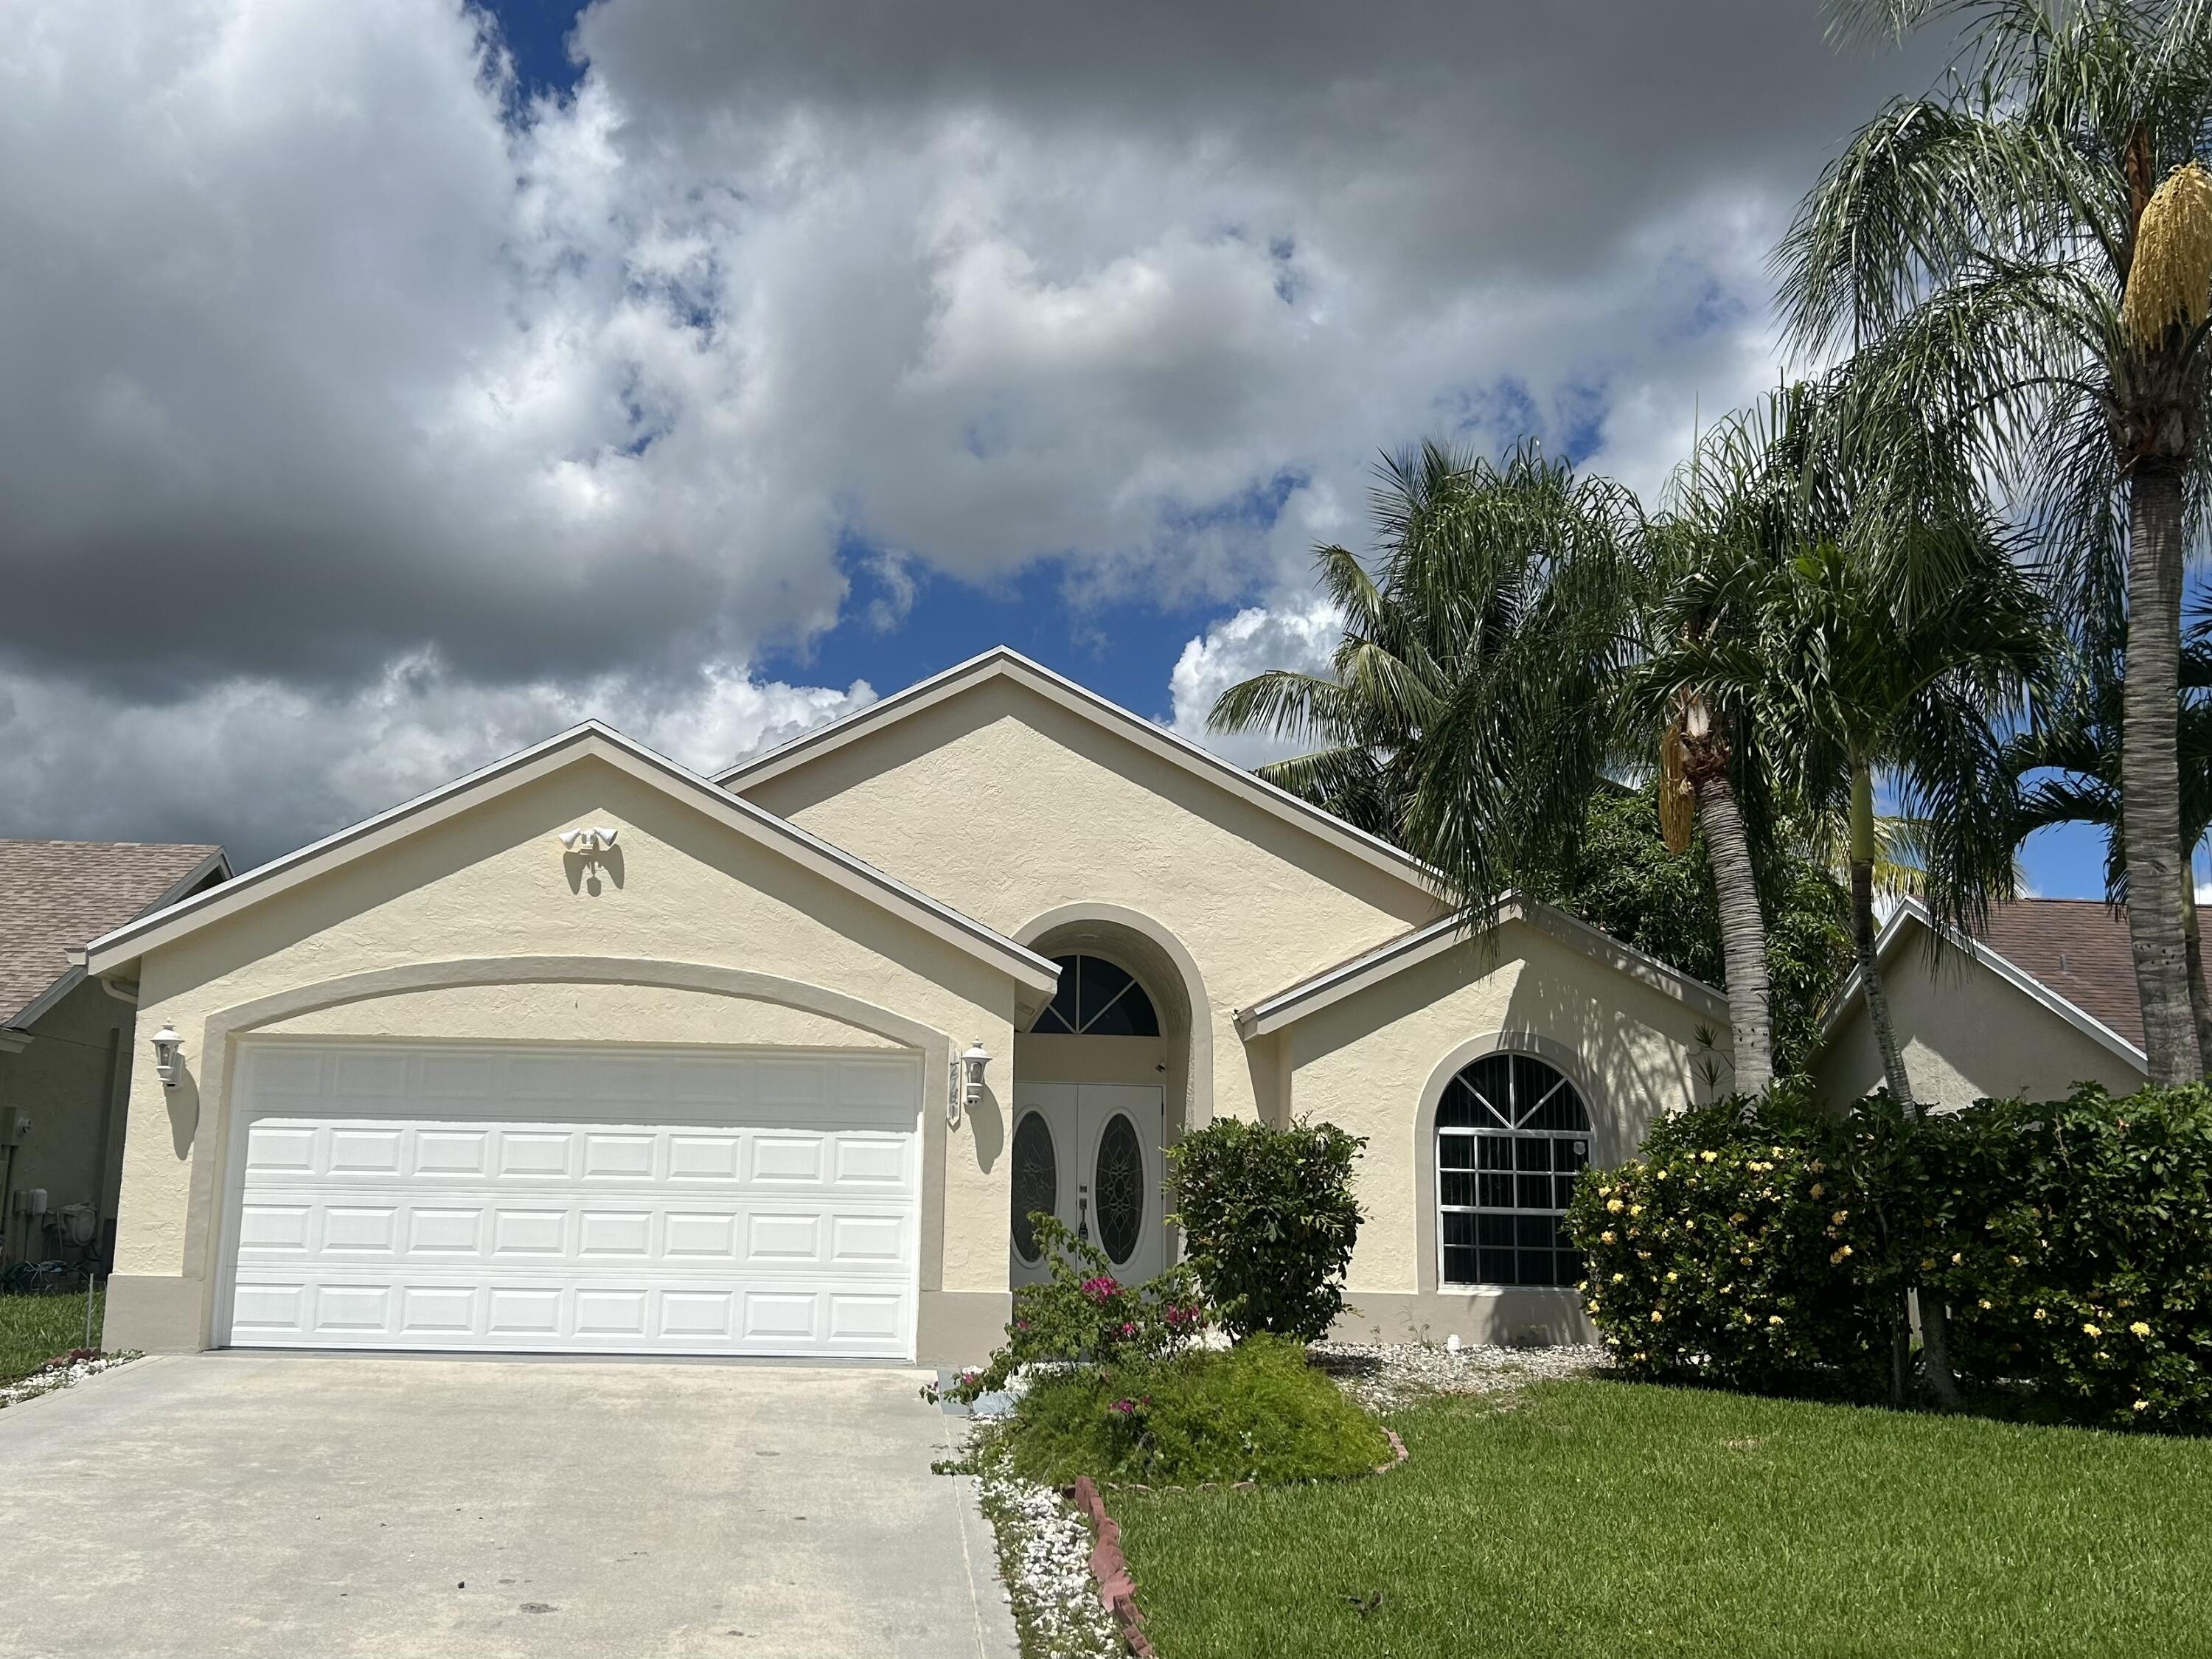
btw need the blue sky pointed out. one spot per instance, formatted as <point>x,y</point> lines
<point>756,361</point>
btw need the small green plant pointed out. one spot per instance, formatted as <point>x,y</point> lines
<point>1082,1313</point>
<point>1269,1220</point>
<point>1255,1412</point>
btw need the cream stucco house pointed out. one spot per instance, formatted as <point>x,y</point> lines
<point>2045,997</point>
<point>586,1053</point>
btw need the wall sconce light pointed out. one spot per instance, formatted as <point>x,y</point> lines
<point>593,838</point>
<point>967,1081</point>
<point>168,1056</point>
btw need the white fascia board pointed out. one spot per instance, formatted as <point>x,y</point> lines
<point>1912,911</point>
<point>1004,662</point>
<point>127,944</point>
<point>1332,984</point>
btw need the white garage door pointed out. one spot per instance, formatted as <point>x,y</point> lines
<point>574,1200</point>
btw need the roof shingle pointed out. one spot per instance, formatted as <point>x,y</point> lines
<point>2077,948</point>
<point>57,896</point>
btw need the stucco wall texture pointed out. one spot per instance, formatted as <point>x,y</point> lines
<point>1966,1035</point>
<point>1007,806</point>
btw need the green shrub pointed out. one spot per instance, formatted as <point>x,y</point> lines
<point>1269,1220</point>
<point>1255,1412</point>
<point>2080,1251</point>
<point>1082,1312</point>
<point>1741,1249</point>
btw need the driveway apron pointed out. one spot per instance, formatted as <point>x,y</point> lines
<point>235,1503</point>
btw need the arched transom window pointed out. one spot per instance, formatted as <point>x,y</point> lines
<point>1512,1135</point>
<point>1097,998</point>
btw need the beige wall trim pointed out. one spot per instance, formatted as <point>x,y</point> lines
<point>1198,1088</point>
<point>961,1327</point>
<point>205,1240</point>
<point>1349,978</point>
<point>1428,1249</point>
<point>1004,661</point>
<point>1913,912</point>
<point>146,1314</point>
<point>126,945</point>
<point>1507,1317</point>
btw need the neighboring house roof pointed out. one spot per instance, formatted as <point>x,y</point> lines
<point>1003,662</point>
<point>126,945</point>
<point>1408,950</point>
<point>58,896</point>
<point>2070,955</point>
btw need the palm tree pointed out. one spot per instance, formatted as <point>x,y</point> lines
<point>2067,770</point>
<point>1463,714</point>
<point>2003,257</point>
<point>1868,688</point>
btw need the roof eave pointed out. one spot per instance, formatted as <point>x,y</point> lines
<point>124,946</point>
<point>1059,689</point>
<point>1332,984</point>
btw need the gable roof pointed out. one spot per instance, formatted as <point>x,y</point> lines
<point>1004,662</point>
<point>1332,985</point>
<point>2071,956</point>
<point>594,739</point>
<point>56,895</point>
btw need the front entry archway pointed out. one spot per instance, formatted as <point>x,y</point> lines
<point>1100,1082</point>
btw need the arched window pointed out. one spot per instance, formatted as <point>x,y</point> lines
<point>1512,1135</point>
<point>1097,998</point>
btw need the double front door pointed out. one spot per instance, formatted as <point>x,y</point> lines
<point>1089,1154</point>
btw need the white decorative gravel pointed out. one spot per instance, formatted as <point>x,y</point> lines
<point>1384,1376</point>
<point>60,1376</point>
<point>1044,1555</point>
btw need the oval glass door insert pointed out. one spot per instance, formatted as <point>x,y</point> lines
<point>1037,1181</point>
<point>1120,1187</point>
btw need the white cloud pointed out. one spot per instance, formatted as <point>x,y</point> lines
<point>1299,639</point>
<point>323,368</point>
<point>269,766</point>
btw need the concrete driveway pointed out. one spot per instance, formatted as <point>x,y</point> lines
<point>303,1504</point>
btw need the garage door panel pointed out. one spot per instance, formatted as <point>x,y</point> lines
<point>555,1201</point>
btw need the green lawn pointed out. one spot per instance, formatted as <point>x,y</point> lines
<point>1613,1520</point>
<point>34,1328</point>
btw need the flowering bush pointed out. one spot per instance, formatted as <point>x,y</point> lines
<point>2080,1251</point>
<point>1270,1220</point>
<point>1743,1248</point>
<point>1082,1312</point>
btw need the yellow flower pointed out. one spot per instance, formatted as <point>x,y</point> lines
<point>1606,1237</point>
<point>1839,1218</point>
<point>1614,1206</point>
<point>2101,1354</point>
<point>1986,1302</point>
<point>1958,1259</point>
<point>1636,1209</point>
<point>1820,1187</point>
<point>2092,1330</point>
<point>1774,1319</point>
<point>1619,1278</point>
<point>2041,1313</point>
<point>1672,1277</point>
<point>1656,1315</point>
<point>2140,1328</point>
<point>2142,1405</point>
<point>1839,1255</point>
<point>1739,1218</point>
<point>1709,1156</point>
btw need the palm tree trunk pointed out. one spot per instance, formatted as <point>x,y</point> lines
<point>2150,778</point>
<point>1743,926</point>
<point>1870,985</point>
<point>2200,1001</point>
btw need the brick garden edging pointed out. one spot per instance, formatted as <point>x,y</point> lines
<point>1109,1568</point>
